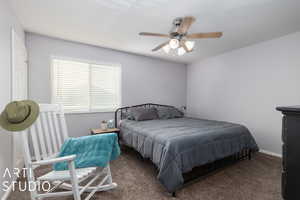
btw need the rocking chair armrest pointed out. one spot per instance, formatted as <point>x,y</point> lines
<point>55,160</point>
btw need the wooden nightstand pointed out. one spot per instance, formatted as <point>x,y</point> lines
<point>109,130</point>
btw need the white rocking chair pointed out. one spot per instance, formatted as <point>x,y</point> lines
<point>47,135</point>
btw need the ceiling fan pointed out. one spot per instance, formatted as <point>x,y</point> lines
<point>179,35</point>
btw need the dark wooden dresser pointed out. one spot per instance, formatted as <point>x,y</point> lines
<point>290,152</point>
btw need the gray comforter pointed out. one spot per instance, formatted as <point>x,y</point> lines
<point>177,145</point>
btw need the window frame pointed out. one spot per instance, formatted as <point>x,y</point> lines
<point>89,62</point>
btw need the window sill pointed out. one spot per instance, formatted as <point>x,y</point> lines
<point>89,112</point>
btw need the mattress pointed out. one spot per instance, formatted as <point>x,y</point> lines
<point>177,145</point>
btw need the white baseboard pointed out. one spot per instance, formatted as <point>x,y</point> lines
<point>19,164</point>
<point>7,193</point>
<point>270,153</point>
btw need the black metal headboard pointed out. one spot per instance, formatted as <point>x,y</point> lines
<point>119,113</point>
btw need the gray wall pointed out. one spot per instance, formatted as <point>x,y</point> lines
<point>246,85</point>
<point>144,79</point>
<point>7,21</point>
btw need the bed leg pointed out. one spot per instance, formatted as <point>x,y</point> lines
<point>249,154</point>
<point>141,157</point>
<point>173,194</point>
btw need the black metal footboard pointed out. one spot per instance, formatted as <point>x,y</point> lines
<point>201,172</point>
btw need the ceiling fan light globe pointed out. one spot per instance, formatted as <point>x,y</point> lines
<point>190,45</point>
<point>181,51</point>
<point>174,43</point>
<point>166,48</point>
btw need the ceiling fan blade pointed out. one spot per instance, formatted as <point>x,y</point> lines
<point>154,34</point>
<point>204,35</point>
<point>160,46</point>
<point>185,24</point>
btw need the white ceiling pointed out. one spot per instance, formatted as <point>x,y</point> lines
<point>115,24</point>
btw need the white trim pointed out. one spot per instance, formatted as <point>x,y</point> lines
<point>7,193</point>
<point>12,62</point>
<point>15,36</point>
<point>88,61</point>
<point>90,112</point>
<point>18,161</point>
<point>270,153</point>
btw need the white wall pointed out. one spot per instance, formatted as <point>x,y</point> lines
<point>7,21</point>
<point>144,79</point>
<point>246,85</point>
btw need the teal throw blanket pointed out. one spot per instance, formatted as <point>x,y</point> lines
<point>90,151</point>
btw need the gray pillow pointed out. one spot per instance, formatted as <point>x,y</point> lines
<point>168,113</point>
<point>127,115</point>
<point>142,114</point>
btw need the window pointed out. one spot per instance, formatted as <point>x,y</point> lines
<point>86,87</point>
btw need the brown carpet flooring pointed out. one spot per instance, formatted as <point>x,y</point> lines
<point>257,179</point>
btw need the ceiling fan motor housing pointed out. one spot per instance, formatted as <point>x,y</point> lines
<point>174,30</point>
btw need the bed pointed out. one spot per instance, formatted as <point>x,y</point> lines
<point>177,145</point>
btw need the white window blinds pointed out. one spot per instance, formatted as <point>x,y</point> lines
<point>86,87</point>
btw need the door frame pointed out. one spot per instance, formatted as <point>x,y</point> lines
<point>17,163</point>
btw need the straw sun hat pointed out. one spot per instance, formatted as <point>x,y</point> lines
<point>19,115</point>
